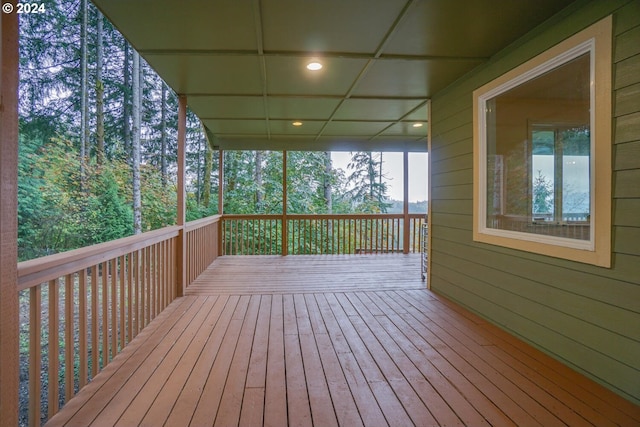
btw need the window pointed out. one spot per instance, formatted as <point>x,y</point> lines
<point>542,152</point>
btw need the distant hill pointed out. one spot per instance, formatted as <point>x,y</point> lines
<point>414,207</point>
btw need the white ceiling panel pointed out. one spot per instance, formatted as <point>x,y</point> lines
<point>407,129</point>
<point>236,127</point>
<point>327,26</point>
<point>302,108</point>
<point>228,107</point>
<point>376,109</point>
<point>209,74</point>
<point>184,25</point>
<point>287,75</point>
<point>415,78</point>
<point>360,128</point>
<point>285,127</point>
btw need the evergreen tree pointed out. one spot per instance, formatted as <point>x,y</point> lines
<point>542,195</point>
<point>369,192</point>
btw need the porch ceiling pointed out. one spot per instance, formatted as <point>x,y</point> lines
<point>241,63</point>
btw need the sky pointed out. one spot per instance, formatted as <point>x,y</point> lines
<point>392,168</point>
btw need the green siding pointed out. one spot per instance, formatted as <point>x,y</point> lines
<point>586,316</point>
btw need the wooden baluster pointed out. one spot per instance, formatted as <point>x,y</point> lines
<point>122,290</point>
<point>385,235</point>
<point>148,286</point>
<point>235,238</point>
<point>152,282</point>
<point>190,236</point>
<point>256,235</point>
<point>130,298</point>
<point>136,293</point>
<point>393,235</point>
<point>54,349</point>
<point>82,328</point>
<point>35,354</point>
<point>349,235</point>
<point>94,321</point>
<point>372,244</point>
<point>105,314</point>
<point>114,308</point>
<point>68,338</point>
<point>164,263</point>
<point>154,279</point>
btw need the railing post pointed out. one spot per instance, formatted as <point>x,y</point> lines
<point>285,228</point>
<point>181,253</point>
<point>9,367</point>
<point>405,205</point>
<point>221,202</point>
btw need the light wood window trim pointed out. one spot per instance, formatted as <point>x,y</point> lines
<point>599,252</point>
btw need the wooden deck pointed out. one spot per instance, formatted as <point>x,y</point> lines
<point>332,340</point>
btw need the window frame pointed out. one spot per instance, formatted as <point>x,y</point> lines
<point>596,40</point>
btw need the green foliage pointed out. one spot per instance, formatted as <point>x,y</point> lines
<point>158,202</point>
<point>31,202</point>
<point>241,187</point>
<point>305,179</point>
<point>57,211</point>
<point>107,208</point>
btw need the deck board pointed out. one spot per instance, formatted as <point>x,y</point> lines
<point>328,341</point>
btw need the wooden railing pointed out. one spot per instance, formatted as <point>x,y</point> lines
<point>202,245</point>
<point>251,235</point>
<point>80,308</point>
<point>319,234</point>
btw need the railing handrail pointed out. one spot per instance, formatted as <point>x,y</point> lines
<point>353,216</point>
<point>251,216</point>
<point>40,270</point>
<point>322,216</point>
<point>198,223</point>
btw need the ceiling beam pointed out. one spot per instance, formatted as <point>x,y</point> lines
<point>403,118</point>
<point>392,29</point>
<point>417,145</point>
<point>303,54</point>
<point>257,18</point>
<point>301,96</point>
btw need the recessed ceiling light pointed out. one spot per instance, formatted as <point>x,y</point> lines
<point>417,125</point>
<point>297,123</point>
<point>314,66</point>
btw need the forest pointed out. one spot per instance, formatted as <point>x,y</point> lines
<point>98,131</point>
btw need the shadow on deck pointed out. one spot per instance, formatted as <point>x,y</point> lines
<point>332,340</point>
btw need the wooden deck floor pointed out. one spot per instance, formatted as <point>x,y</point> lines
<point>316,341</point>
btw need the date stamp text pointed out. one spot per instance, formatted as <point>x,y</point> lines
<point>24,8</point>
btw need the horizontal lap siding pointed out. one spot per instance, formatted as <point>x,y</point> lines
<point>586,316</point>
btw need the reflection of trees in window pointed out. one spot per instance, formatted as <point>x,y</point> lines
<point>542,194</point>
<point>560,172</point>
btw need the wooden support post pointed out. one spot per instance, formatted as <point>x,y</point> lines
<point>429,194</point>
<point>285,228</point>
<point>9,363</point>
<point>220,201</point>
<point>221,183</point>
<point>181,255</point>
<point>405,205</point>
